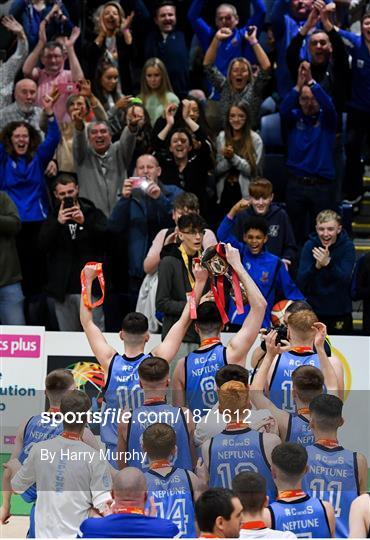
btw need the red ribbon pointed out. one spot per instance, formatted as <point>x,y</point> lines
<point>98,267</point>
<point>220,303</point>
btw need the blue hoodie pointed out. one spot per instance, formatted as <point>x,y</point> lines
<point>267,271</point>
<point>328,289</point>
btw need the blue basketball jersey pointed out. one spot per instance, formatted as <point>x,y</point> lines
<point>281,381</point>
<point>299,430</point>
<point>173,498</point>
<point>333,476</point>
<point>121,391</point>
<point>304,517</point>
<point>35,431</point>
<point>232,452</point>
<point>144,416</point>
<point>201,367</point>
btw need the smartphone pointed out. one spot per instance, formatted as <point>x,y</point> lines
<point>68,202</point>
<point>139,182</point>
<point>68,88</point>
<point>250,31</point>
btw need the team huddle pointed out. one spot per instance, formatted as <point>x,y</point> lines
<point>212,451</point>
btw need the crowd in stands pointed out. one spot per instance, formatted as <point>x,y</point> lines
<point>139,133</point>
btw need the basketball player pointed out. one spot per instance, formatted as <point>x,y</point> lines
<point>359,517</point>
<point>301,336</point>
<point>174,489</point>
<point>334,473</point>
<point>238,448</point>
<point>194,376</point>
<point>122,390</point>
<point>307,382</point>
<point>34,430</point>
<point>218,512</point>
<point>295,510</point>
<point>154,380</point>
<point>127,518</point>
<point>250,487</point>
<point>213,423</point>
<point>67,486</point>
<point>293,307</point>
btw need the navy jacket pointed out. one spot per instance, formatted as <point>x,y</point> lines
<point>311,139</point>
<point>328,289</point>
<point>267,271</point>
<point>140,218</point>
<point>281,241</point>
<point>174,54</point>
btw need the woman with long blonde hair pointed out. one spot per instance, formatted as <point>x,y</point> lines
<point>155,88</point>
<point>239,153</point>
<point>113,43</point>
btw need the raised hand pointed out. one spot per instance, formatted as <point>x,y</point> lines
<point>320,334</point>
<point>185,108</point>
<point>223,33</point>
<point>42,32</point>
<point>232,255</point>
<point>127,22</point>
<point>251,34</point>
<point>123,102</point>
<point>75,34</point>
<point>322,256</point>
<point>170,114</point>
<point>85,88</point>
<point>135,118</point>
<point>200,273</point>
<point>241,205</point>
<point>127,188</point>
<point>302,75</point>
<point>153,190</point>
<point>228,151</point>
<point>12,25</point>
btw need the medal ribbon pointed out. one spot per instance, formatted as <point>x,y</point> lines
<point>98,267</point>
<point>127,510</point>
<point>304,410</point>
<point>290,494</point>
<point>154,399</point>
<point>331,443</point>
<point>159,464</point>
<point>254,525</point>
<point>210,341</point>
<point>235,425</point>
<point>72,436</point>
<point>302,349</point>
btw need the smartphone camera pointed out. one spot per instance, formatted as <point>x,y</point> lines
<point>68,202</point>
<point>140,182</point>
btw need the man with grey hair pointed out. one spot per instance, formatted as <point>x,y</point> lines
<point>226,17</point>
<point>24,108</point>
<point>101,165</point>
<point>127,518</point>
